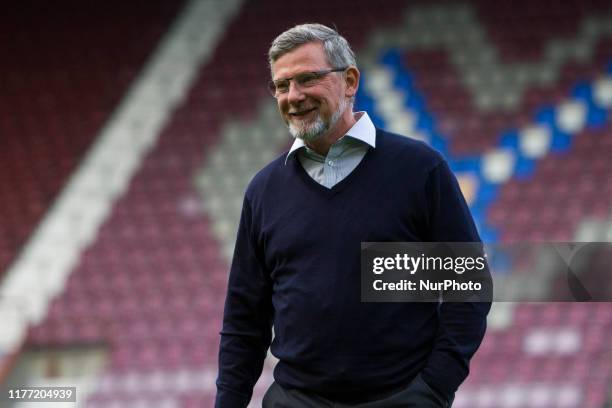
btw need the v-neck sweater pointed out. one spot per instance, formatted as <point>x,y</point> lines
<point>296,266</point>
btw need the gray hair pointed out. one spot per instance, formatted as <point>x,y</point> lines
<point>337,49</point>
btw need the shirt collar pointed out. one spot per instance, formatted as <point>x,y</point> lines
<point>363,130</point>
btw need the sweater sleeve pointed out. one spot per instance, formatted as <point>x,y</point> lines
<point>247,320</point>
<point>462,324</point>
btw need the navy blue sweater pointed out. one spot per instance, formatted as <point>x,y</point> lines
<point>297,266</point>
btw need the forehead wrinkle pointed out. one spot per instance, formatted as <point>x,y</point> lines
<point>305,58</point>
<point>304,71</point>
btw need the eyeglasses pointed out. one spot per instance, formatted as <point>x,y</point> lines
<point>303,80</point>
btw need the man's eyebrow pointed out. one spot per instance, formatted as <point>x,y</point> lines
<point>309,71</point>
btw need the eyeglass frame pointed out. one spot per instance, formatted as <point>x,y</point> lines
<point>272,87</point>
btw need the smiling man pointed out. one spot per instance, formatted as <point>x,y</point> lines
<point>315,107</point>
<point>296,265</point>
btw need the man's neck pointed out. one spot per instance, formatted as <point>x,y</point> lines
<point>322,144</point>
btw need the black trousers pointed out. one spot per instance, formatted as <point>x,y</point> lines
<point>417,395</point>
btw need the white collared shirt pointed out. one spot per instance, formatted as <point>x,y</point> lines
<point>343,156</point>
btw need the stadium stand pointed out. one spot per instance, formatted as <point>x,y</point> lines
<point>58,89</point>
<point>151,285</point>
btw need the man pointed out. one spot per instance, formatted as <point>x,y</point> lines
<point>296,264</point>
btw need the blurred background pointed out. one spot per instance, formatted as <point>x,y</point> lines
<point>129,130</point>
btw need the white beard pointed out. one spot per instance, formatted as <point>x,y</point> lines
<point>309,131</point>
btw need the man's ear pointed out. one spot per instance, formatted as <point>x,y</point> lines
<point>352,81</point>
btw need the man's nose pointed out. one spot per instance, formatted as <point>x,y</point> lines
<point>295,93</point>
